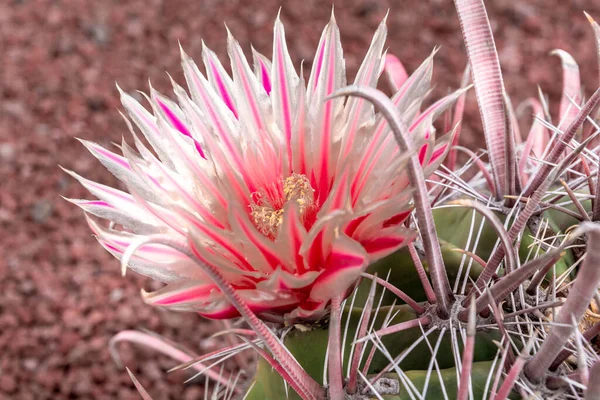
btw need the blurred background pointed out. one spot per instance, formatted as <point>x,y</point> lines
<point>61,295</point>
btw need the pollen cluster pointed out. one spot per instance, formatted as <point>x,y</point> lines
<point>268,219</point>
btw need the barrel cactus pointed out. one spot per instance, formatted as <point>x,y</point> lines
<point>363,260</point>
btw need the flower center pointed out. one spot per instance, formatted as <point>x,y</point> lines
<point>268,215</point>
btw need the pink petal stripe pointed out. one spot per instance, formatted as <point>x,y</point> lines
<point>205,182</point>
<point>368,75</point>
<point>263,74</point>
<point>282,102</point>
<point>389,240</point>
<point>245,81</point>
<point>437,108</point>
<point>190,293</point>
<point>316,74</point>
<point>209,102</point>
<point>219,78</point>
<point>316,252</point>
<point>218,236</point>
<point>382,139</point>
<point>179,125</point>
<point>292,235</point>
<point>343,267</point>
<point>120,241</point>
<point>146,122</point>
<point>263,245</point>
<point>322,171</point>
<point>299,158</point>
<point>339,195</point>
<point>100,151</point>
<point>188,197</point>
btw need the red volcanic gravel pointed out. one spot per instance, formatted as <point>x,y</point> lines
<point>61,295</point>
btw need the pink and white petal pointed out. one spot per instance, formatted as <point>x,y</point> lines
<point>439,107</point>
<point>571,89</point>
<point>423,137</point>
<point>115,163</point>
<point>151,269</point>
<point>328,55</point>
<point>220,258</point>
<point>395,72</point>
<point>538,132</point>
<point>172,114</point>
<point>120,168</point>
<point>387,241</point>
<point>346,261</point>
<point>284,87</point>
<point>199,125</point>
<point>179,190</point>
<point>261,301</point>
<point>339,196</point>
<point>219,118</point>
<point>537,139</point>
<point>382,180</point>
<point>327,76</point>
<point>252,101</point>
<point>106,211</point>
<point>289,239</point>
<point>122,240</point>
<point>117,198</point>
<point>440,151</point>
<point>316,247</point>
<point>408,100</point>
<point>165,272</point>
<point>262,69</point>
<point>160,213</point>
<point>360,112</point>
<point>146,122</point>
<point>208,235</point>
<point>261,252</point>
<point>199,171</point>
<point>282,280</point>
<point>414,90</point>
<point>396,208</point>
<point>265,163</point>
<point>184,295</point>
<point>206,299</point>
<point>152,260</point>
<point>263,304</point>
<point>218,77</point>
<point>300,137</point>
<point>223,155</point>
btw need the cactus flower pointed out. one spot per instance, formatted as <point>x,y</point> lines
<point>290,194</point>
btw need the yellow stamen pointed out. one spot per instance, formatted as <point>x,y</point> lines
<point>296,188</point>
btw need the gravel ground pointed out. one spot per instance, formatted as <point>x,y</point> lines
<point>61,296</point>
